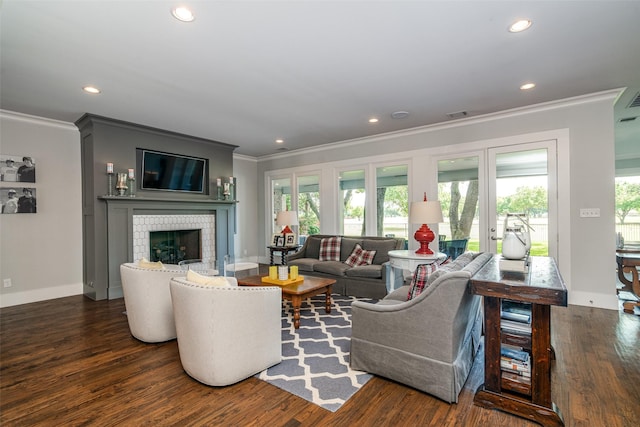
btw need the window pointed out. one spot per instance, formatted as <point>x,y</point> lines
<point>351,206</point>
<point>281,198</point>
<point>309,205</point>
<point>628,208</point>
<point>392,196</point>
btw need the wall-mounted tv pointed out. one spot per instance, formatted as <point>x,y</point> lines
<point>172,172</point>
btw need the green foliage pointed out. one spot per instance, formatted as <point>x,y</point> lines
<point>530,200</point>
<point>627,199</point>
<point>396,201</point>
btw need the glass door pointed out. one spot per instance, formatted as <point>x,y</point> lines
<point>522,180</point>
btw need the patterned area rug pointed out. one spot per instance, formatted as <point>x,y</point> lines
<point>315,357</point>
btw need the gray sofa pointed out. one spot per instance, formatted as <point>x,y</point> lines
<point>367,281</point>
<point>428,342</point>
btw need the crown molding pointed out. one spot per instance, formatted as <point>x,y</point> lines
<point>27,118</point>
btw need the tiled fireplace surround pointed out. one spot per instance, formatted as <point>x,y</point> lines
<point>129,221</point>
<point>143,225</point>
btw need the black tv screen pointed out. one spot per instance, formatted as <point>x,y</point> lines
<point>171,172</point>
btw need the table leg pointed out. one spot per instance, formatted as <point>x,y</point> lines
<point>328,299</point>
<point>271,257</point>
<point>296,302</point>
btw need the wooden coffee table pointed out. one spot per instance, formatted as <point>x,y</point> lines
<point>311,286</point>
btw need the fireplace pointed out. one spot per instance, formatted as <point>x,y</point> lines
<point>173,246</point>
<point>174,238</point>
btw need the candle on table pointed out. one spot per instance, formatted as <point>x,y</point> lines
<point>131,176</point>
<point>109,167</point>
<point>219,182</point>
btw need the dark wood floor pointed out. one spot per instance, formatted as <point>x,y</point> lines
<point>72,361</point>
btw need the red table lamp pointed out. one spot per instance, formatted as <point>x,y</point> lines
<point>422,213</point>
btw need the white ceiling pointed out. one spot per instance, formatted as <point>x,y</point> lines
<point>309,72</point>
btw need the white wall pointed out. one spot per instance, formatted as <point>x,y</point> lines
<point>586,173</point>
<point>42,253</point>
<point>245,243</point>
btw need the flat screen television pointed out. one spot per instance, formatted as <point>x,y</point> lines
<point>172,172</point>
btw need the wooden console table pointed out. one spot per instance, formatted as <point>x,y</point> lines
<point>543,287</point>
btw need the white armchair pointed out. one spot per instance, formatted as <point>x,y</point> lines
<point>226,333</point>
<point>148,301</point>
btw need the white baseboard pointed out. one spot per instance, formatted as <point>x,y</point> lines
<point>26,297</point>
<point>589,299</point>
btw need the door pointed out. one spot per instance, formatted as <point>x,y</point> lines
<point>522,179</point>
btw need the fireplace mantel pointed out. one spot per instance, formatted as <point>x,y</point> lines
<point>119,220</point>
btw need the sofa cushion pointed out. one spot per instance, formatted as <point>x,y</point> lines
<point>360,257</point>
<point>304,264</point>
<point>420,279</point>
<point>382,248</point>
<point>347,246</point>
<point>312,247</point>
<point>372,271</point>
<point>330,248</point>
<point>336,268</point>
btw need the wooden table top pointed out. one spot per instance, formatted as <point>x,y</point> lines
<point>541,285</point>
<point>308,284</point>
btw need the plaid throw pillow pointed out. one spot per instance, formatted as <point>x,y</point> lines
<point>360,257</point>
<point>420,277</point>
<point>330,248</point>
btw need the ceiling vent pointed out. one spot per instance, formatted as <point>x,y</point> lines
<point>635,102</point>
<point>457,115</point>
<point>628,119</point>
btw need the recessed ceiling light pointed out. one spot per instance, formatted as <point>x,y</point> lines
<point>91,89</point>
<point>527,86</point>
<point>400,114</point>
<point>373,120</point>
<point>182,14</point>
<point>520,25</point>
<point>279,141</point>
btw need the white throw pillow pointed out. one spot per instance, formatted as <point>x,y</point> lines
<point>201,279</point>
<point>145,263</point>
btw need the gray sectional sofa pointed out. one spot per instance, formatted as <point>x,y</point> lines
<point>428,342</point>
<point>367,281</point>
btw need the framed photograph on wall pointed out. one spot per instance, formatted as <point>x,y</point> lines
<point>290,239</point>
<point>17,168</point>
<point>18,200</point>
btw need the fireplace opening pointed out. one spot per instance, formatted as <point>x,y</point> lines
<point>173,246</point>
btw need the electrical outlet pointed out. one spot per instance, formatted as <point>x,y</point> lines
<point>590,213</point>
<point>7,283</point>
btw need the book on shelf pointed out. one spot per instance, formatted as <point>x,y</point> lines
<point>520,373</point>
<point>518,307</point>
<point>510,353</point>
<point>518,327</point>
<point>514,376</point>
<point>516,317</point>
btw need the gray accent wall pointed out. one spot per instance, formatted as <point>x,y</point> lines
<point>107,221</point>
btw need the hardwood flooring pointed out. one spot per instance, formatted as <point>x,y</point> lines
<point>72,362</point>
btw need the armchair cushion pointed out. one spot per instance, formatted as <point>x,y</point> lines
<point>201,279</point>
<point>145,263</point>
<point>330,249</point>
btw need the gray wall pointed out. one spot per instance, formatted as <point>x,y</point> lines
<point>42,253</point>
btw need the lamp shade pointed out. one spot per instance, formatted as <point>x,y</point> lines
<point>426,212</point>
<point>287,218</point>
